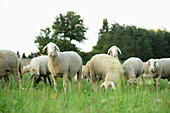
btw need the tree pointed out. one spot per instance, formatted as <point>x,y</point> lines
<point>65,29</point>
<point>18,54</point>
<point>69,27</point>
<point>43,38</point>
<point>23,55</point>
<point>105,27</point>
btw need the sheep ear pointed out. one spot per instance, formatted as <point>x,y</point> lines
<point>57,48</point>
<point>147,63</point>
<point>103,84</point>
<point>119,50</point>
<point>113,86</point>
<point>109,51</point>
<point>44,49</point>
<point>157,65</point>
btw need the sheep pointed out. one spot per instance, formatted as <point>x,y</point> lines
<point>86,71</point>
<point>63,64</point>
<point>146,76</point>
<point>133,68</point>
<point>39,68</point>
<point>27,69</point>
<point>105,67</point>
<point>159,68</point>
<point>8,64</point>
<point>113,51</point>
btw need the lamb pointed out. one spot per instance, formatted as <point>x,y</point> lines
<point>133,68</point>
<point>63,64</point>
<point>39,68</point>
<point>113,51</point>
<point>105,67</point>
<point>8,64</point>
<point>159,68</point>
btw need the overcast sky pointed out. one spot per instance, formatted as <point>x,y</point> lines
<point>21,20</point>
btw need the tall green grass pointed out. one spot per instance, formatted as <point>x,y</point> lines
<point>44,99</point>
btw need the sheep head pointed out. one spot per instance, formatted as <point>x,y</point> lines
<point>113,51</point>
<point>52,49</point>
<point>132,81</point>
<point>153,65</point>
<point>107,84</point>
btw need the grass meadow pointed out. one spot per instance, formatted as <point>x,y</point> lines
<point>44,99</point>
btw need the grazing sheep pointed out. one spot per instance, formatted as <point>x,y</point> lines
<point>86,71</point>
<point>27,69</point>
<point>159,68</point>
<point>105,67</point>
<point>8,64</point>
<point>113,51</point>
<point>63,64</point>
<point>133,68</point>
<point>21,67</point>
<point>39,68</point>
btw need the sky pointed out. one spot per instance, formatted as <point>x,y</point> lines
<point>21,20</point>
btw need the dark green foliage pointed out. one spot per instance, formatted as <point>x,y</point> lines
<point>24,56</point>
<point>18,54</point>
<point>134,42</point>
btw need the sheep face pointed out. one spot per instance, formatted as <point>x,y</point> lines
<point>132,81</point>
<point>153,65</point>
<point>113,51</point>
<point>52,49</point>
<point>107,84</point>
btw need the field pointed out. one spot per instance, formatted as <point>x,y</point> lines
<point>44,99</point>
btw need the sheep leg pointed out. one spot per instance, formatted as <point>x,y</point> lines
<point>70,82</point>
<point>17,78</point>
<point>49,80</point>
<point>159,78</point>
<point>6,80</point>
<point>143,81</point>
<point>154,81</point>
<point>45,80</point>
<point>64,83</point>
<point>37,80</point>
<point>55,82</point>
<point>94,80</point>
<point>31,77</point>
<point>79,79</point>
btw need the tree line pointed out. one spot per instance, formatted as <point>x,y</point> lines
<point>133,41</point>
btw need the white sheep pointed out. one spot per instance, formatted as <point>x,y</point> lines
<point>39,68</point>
<point>104,67</point>
<point>86,72</point>
<point>63,64</point>
<point>159,68</point>
<point>27,69</point>
<point>9,64</point>
<point>133,68</point>
<point>113,51</point>
<point>147,77</point>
